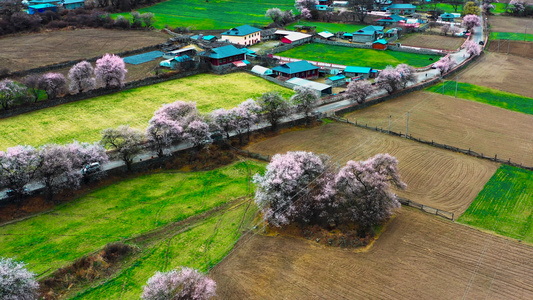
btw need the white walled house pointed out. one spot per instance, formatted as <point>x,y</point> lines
<point>243,35</point>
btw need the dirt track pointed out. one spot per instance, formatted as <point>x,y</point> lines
<point>40,49</point>
<point>419,256</point>
<point>435,177</point>
<point>460,123</point>
<point>511,76</point>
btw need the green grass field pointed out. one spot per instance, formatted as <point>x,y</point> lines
<point>200,247</point>
<point>376,59</point>
<point>331,27</point>
<point>505,205</point>
<point>444,6</point>
<point>84,120</point>
<point>513,36</point>
<point>121,211</point>
<point>485,95</point>
<point>219,14</point>
<point>499,8</point>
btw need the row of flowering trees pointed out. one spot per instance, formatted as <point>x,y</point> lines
<point>305,188</point>
<point>55,166</point>
<point>110,72</point>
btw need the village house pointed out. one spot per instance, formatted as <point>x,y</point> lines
<point>337,80</point>
<point>391,20</point>
<point>368,34</point>
<point>41,8</point>
<point>225,55</point>
<point>300,69</point>
<point>243,35</point>
<point>447,17</point>
<point>322,89</point>
<point>363,72</point>
<point>293,37</point>
<point>401,9</point>
<point>73,4</point>
<point>380,44</point>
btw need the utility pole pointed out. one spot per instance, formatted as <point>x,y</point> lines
<point>407,126</point>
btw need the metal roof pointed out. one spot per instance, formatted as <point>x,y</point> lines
<point>447,15</point>
<point>314,85</point>
<point>40,6</point>
<point>369,30</point>
<point>380,41</point>
<point>261,70</point>
<point>292,35</point>
<point>350,69</point>
<point>295,67</point>
<point>241,30</point>
<point>401,6</point>
<point>337,77</point>
<point>225,51</point>
<point>392,18</point>
<point>72,1</point>
<point>326,34</point>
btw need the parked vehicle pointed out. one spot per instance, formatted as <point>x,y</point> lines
<point>91,168</point>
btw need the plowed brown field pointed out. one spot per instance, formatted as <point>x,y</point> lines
<point>432,41</point>
<point>40,49</point>
<point>508,73</point>
<point>460,123</point>
<point>419,256</point>
<point>434,177</point>
<point>519,48</point>
<point>510,24</point>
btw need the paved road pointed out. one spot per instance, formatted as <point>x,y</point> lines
<point>422,76</point>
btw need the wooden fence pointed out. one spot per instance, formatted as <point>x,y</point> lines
<point>427,209</point>
<point>434,144</point>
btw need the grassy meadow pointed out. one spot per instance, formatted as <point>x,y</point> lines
<point>121,211</point>
<point>513,36</point>
<point>485,95</point>
<point>84,120</point>
<point>376,59</point>
<point>208,15</point>
<point>200,247</point>
<point>505,205</point>
<point>331,27</point>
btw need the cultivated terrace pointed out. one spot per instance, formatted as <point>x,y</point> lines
<point>295,149</point>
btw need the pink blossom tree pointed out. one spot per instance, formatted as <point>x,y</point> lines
<point>82,154</point>
<point>274,107</point>
<point>17,167</point>
<point>54,84</point>
<point>305,100</point>
<point>110,71</point>
<point>56,170</point>
<point>32,84</point>
<point>407,74</point>
<point>16,282</point>
<point>10,92</point>
<point>179,111</point>
<point>224,120</point>
<point>275,14</point>
<point>389,79</point>
<point>363,190</point>
<point>126,141</point>
<point>81,77</point>
<point>309,4</point>
<point>472,48</point>
<point>517,7</point>
<point>188,283</point>
<point>296,187</point>
<point>246,115</point>
<point>444,64</point>
<point>445,28</point>
<point>197,133</point>
<point>306,13</point>
<point>162,132</point>
<point>359,91</point>
<point>471,21</point>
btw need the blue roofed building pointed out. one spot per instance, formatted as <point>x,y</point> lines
<point>242,35</point>
<point>300,69</point>
<point>41,8</point>
<point>447,17</point>
<point>390,20</point>
<point>368,34</point>
<point>401,9</point>
<point>72,4</point>
<point>364,72</point>
<point>225,55</point>
<point>337,80</point>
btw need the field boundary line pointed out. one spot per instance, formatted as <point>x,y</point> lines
<point>427,209</point>
<point>468,152</point>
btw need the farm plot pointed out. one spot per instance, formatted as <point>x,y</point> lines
<point>331,27</point>
<point>432,41</point>
<point>84,120</point>
<point>357,57</point>
<point>121,211</point>
<point>519,48</point>
<point>509,77</point>
<point>209,15</point>
<point>419,256</point>
<point>505,205</point>
<point>456,122</point>
<point>84,43</point>
<point>510,24</point>
<point>437,178</point>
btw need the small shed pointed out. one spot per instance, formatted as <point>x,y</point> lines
<point>357,71</point>
<point>173,63</point>
<point>323,89</point>
<point>41,8</point>
<point>73,4</point>
<point>260,70</point>
<point>347,36</point>
<point>326,34</point>
<point>337,80</point>
<point>380,44</point>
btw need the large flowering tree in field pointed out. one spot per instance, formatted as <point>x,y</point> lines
<point>54,84</point>
<point>305,100</point>
<point>274,106</point>
<point>187,284</point>
<point>16,282</point>
<point>18,166</point>
<point>359,91</point>
<point>56,170</point>
<point>390,79</point>
<point>246,115</point>
<point>10,92</point>
<point>81,77</point>
<point>110,71</point>
<point>471,21</point>
<point>125,140</point>
<point>472,48</point>
<point>444,64</point>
